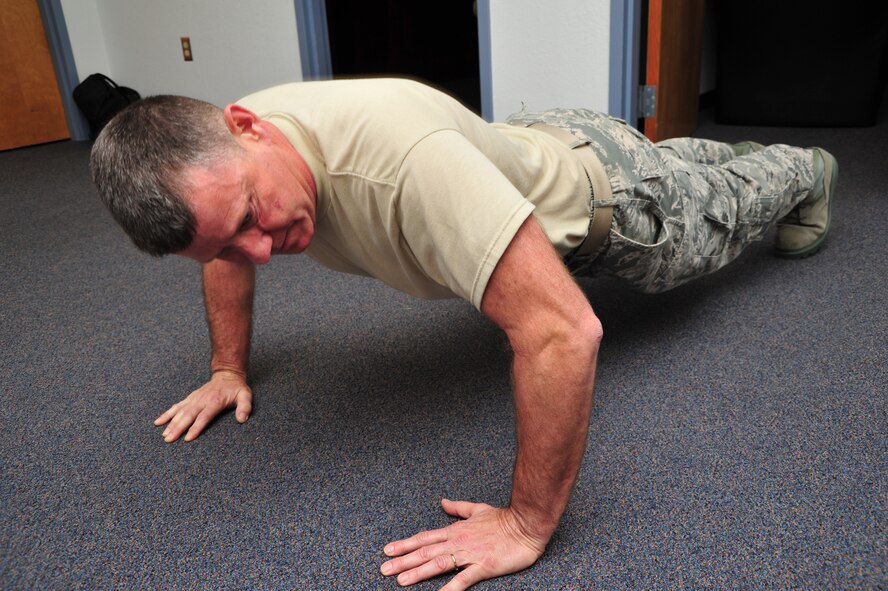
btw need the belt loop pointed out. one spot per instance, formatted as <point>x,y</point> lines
<point>600,216</point>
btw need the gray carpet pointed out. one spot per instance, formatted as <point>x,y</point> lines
<point>738,439</point>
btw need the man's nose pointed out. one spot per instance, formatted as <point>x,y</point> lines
<point>255,245</point>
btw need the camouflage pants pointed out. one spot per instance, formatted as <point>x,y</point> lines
<point>682,207</point>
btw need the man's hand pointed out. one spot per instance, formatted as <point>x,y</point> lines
<point>487,542</point>
<point>228,297</point>
<point>226,389</point>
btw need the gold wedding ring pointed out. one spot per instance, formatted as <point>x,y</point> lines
<point>453,558</point>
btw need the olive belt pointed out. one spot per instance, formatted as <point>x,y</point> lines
<point>600,216</point>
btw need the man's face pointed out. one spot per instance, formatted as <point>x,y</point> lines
<point>257,203</point>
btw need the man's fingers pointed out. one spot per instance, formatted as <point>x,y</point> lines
<point>426,538</point>
<point>465,579</point>
<point>417,558</point>
<point>438,563</point>
<point>200,422</point>
<point>183,419</point>
<point>165,417</point>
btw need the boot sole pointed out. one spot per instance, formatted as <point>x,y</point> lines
<point>830,177</point>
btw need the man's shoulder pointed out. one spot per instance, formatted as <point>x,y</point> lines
<point>376,109</point>
<point>384,94</point>
<point>362,127</point>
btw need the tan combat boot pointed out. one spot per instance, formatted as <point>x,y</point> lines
<point>802,232</point>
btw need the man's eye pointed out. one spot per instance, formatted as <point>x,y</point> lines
<point>248,221</point>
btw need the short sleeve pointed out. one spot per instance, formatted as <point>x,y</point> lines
<point>457,212</point>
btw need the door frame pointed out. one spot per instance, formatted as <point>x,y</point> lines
<point>314,40</point>
<point>625,44</point>
<point>485,70</point>
<point>63,63</point>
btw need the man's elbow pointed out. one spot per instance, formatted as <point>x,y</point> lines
<point>571,336</point>
<point>576,337</point>
<point>587,334</point>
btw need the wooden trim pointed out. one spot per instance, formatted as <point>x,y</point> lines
<point>652,76</point>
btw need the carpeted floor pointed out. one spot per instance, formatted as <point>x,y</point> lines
<point>738,440</point>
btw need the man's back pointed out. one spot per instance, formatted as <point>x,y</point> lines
<point>415,189</point>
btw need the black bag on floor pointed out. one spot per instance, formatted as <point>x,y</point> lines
<point>99,98</point>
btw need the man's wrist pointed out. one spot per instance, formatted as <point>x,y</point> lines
<point>534,525</point>
<point>531,532</point>
<point>230,369</point>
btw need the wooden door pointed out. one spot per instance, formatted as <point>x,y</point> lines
<point>674,50</point>
<point>31,110</point>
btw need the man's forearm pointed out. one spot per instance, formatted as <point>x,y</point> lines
<point>228,296</point>
<point>554,335</point>
<point>553,402</point>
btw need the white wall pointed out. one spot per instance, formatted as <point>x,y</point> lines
<point>239,45</point>
<point>548,54</point>
<point>87,38</point>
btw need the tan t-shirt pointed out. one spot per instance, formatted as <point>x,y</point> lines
<point>416,190</point>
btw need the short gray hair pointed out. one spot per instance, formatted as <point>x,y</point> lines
<point>138,161</point>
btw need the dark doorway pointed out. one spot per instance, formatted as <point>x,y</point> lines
<point>435,41</point>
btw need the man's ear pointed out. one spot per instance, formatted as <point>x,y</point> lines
<point>242,122</point>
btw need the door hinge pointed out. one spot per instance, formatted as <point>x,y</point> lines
<point>647,101</point>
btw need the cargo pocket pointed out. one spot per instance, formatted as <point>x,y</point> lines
<point>711,216</point>
<point>719,215</point>
<point>642,242</point>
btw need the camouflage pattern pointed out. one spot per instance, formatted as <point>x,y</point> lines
<point>682,207</point>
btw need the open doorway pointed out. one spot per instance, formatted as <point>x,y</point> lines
<point>435,41</point>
